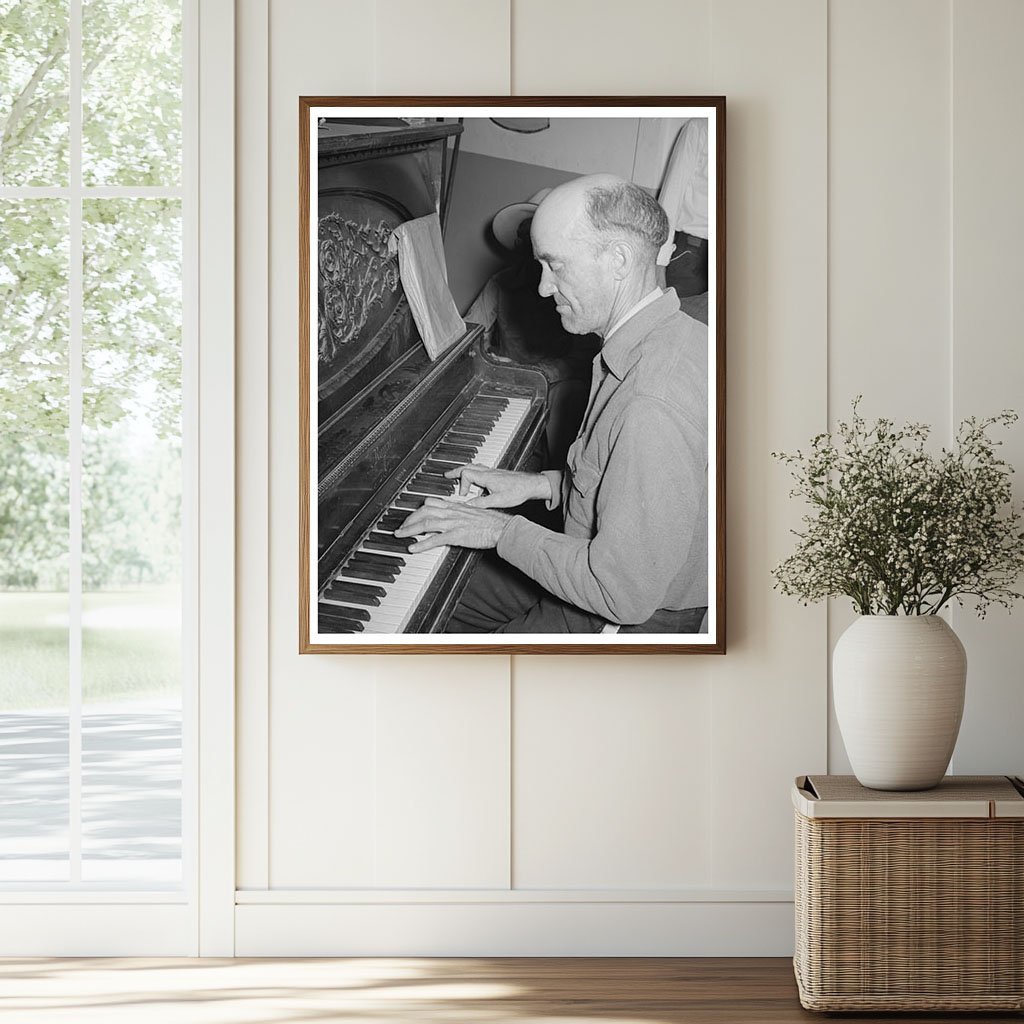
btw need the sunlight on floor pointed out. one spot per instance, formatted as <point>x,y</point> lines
<point>185,991</point>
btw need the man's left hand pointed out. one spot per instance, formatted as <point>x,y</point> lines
<point>455,523</point>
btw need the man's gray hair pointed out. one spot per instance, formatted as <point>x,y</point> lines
<point>626,209</point>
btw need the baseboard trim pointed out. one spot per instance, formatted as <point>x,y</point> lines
<point>515,928</point>
<point>347,897</point>
<point>73,930</point>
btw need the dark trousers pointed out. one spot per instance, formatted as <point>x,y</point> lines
<point>501,599</point>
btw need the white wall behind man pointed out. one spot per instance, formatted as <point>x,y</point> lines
<point>542,805</point>
<point>633,148</point>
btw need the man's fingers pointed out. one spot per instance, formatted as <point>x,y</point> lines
<point>435,540</point>
<point>417,516</point>
<point>425,524</point>
<point>443,515</point>
<point>412,524</point>
<point>407,525</point>
<point>457,471</point>
<point>484,501</point>
<point>468,476</point>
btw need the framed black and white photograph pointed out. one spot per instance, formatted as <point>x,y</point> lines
<point>512,380</point>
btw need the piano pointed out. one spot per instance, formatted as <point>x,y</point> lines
<point>390,421</point>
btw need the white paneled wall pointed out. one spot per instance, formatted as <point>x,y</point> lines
<point>889,214</point>
<point>625,805</point>
<point>612,775</point>
<point>889,189</point>
<point>768,693</point>
<point>440,48</point>
<point>441,800</point>
<point>987,365</point>
<point>579,47</point>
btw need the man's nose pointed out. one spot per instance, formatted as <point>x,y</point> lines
<point>546,286</point>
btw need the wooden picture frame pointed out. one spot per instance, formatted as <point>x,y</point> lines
<point>382,410</point>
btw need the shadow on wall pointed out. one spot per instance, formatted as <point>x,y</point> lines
<point>483,185</point>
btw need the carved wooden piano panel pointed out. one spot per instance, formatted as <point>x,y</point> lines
<point>389,420</point>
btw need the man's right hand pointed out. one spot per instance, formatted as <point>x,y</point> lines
<point>505,488</point>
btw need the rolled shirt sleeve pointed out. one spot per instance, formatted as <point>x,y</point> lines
<point>645,507</point>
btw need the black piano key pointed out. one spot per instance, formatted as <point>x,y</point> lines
<point>440,468</point>
<point>371,572</point>
<point>349,625</point>
<point>392,562</point>
<point>426,487</point>
<point>444,448</point>
<point>388,542</point>
<point>358,561</point>
<point>367,589</point>
<point>409,501</point>
<point>444,462</point>
<point>333,593</point>
<point>457,446</point>
<point>459,437</point>
<point>338,595</point>
<point>456,450</point>
<point>430,474</point>
<point>487,401</point>
<point>433,486</point>
<point>350,612</point>
<point>329,622</point>
<point>455,460</point>
<point>383,570</point>
<point>476,419</point>
<point>409,496</point>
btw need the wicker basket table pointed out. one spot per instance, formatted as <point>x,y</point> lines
<point>910,901</point>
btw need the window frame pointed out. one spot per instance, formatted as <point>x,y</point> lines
<point>75,918</point>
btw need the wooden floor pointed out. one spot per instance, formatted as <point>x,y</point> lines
<point>413,991</point>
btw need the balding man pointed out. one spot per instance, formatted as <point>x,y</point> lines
<point>634,549</point>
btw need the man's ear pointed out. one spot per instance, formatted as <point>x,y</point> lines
<point>623,259</point>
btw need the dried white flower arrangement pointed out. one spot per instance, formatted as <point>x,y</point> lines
<point>900,530</point>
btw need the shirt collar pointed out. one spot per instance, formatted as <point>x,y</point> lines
<point>621,349</point>
<point>645,301</point>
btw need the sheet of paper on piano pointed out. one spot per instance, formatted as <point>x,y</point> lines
<point>424,274</point>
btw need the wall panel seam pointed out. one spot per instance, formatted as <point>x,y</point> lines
<point>253,459</point>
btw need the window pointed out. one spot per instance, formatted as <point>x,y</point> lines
<point>94,455</point>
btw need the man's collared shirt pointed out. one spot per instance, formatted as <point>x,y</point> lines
<point>635,486</point>
<point>653,294</point>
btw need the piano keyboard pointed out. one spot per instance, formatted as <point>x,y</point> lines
<point>379,586</point>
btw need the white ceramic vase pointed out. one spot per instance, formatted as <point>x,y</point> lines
<point>898,685</point>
